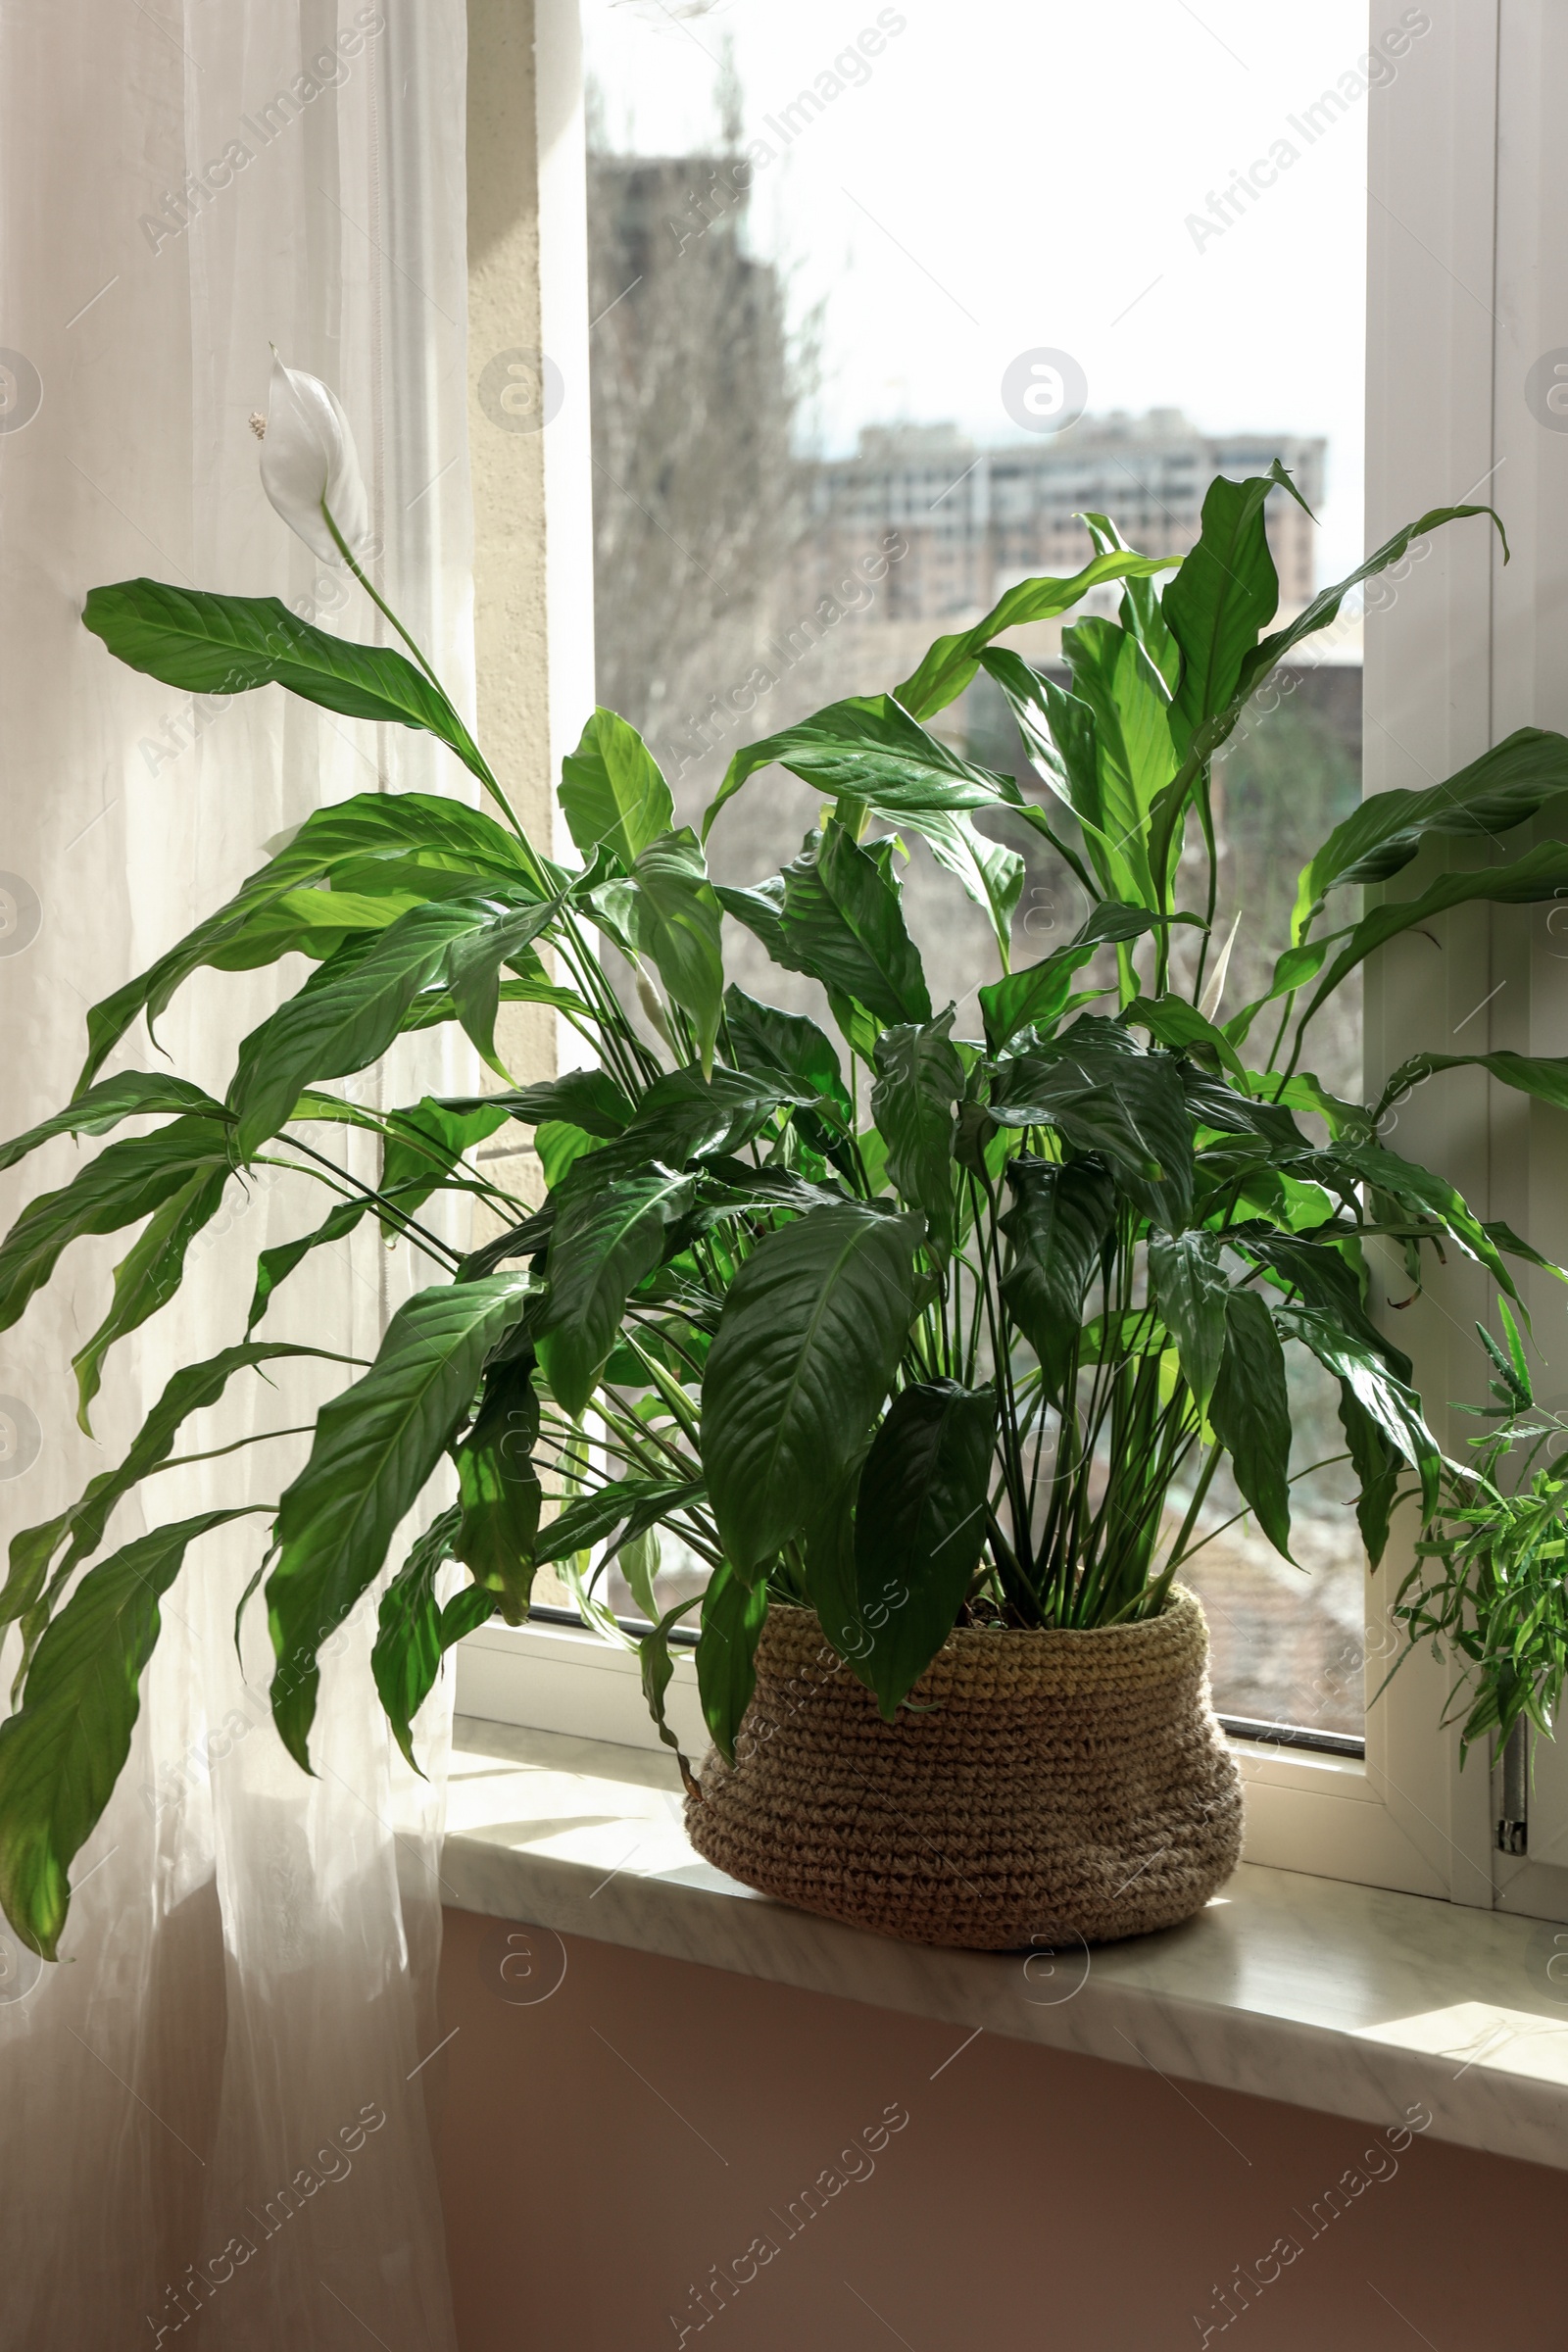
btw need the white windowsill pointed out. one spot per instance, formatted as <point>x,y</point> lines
<point>1350,1999</point>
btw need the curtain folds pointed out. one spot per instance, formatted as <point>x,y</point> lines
<point>214,2111</point>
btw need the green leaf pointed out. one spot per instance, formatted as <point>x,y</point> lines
<point>761,910</point>
<point>374,1448</point>
<point>62,1753</point>
<point>424,1143</point>
<point>992,874</point>
<point>657,1672</point>
<point>1106,1094</point>
<point>613,792</point>
<point>1541,873</point>
<point>126,1182</point>
<point>1226,592</point>
<point>869,749</point>
<point>1375,1464</point>
<point>498,1488</point>
<point>632,1504</point>
<point>413,1632</point>
<point>1416,1188</point>
<point>349,1011</point>
<point>1189,1287</point>
<point>684,1116</point>
<point>189,1391</point>
<point>1395,1407</point>
<point>843,924</point>
<point>951,664</point>
<point>807,1344</point>
<point>1325,606</point>
<point>1183,1028</point>
<point>785,1045</point>
<point>148,1276</point>
<point>586,1099</point>
<point>275,1265</point>
<point>680,925</point>
<point>1141,613</point>
<point>473,971</point>
<point>129,1095</point>
<point>1385,831</point>
<point>1134,757</point>
<point>1545,1076</point>
<point>918,1080</point>
<point>919,1527</point>
<point>607,1237</point>
<point>1037,997</point>
<point>409,834</point>
<point>1251,1413</point>
<point>1062,1213</point>
<point>733,1616</point>
<point>208,644</point>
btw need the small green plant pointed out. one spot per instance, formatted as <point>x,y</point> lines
<point>913,1327</point>
<point>1489,1583</point>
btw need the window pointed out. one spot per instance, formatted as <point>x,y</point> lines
<point>847,397</point>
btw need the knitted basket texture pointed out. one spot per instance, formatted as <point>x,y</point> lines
<point>1042,1787</point>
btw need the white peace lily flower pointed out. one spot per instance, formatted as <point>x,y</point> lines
<point>309,463</point>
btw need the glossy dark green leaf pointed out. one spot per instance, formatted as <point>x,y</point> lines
<point>208,644</point>
<point>807,1344</point>
<point>126,1182</point>
<point>1037,997</point>
<point>626,1504</point>
<point>951,664</point>
<point>1418,1190</point>
<point>62,1753</point>
<point>148,1274</point>
<point>1189,1287</point>
<point>413,1632</point>
<point>1142,611</point>
<point>869,749</point>
<point>1384,832</point>
<point>761,910</point>
<point>375,1447</point>
<point>606,1238</point>
<point>680,925</point>
<point>919,1078</point>
<point>1184,1029</point>
<point>732,1620</point>
<point>349,1011</point>
<point>1251,1413</point>
<point>1104,1094</point>
<point>919,1527</point>
<point>1390,1402</point>
<point>844,924</point>
<point>1061,1215</point>
<point>587,1099</point>
<point>127,1095</point>
<point>613,792</point>
<point>992,874</point>
<point>786,1044</point>
<point>684,1116</point>
<point>499,1492</point>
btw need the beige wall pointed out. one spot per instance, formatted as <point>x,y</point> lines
<point>510,639</point>
<point>603,2149</point>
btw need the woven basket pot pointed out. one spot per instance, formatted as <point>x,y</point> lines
<point>1043,1786</point>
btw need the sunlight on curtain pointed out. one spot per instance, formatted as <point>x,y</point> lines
<point>217,2103</point>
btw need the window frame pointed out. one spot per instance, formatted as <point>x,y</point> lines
<point>1459,144</point>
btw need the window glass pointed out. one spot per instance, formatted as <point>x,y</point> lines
<point>884,298</point>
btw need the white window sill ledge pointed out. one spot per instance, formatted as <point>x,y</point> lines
<point>1347,1999</point>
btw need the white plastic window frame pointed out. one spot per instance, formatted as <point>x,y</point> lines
<point>1464,247</point>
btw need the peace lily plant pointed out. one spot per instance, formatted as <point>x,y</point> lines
<point>913,1327</point>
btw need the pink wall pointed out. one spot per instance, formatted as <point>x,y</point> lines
<point>604,2147</point>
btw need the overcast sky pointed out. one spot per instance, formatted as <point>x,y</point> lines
<point>1019,174</point>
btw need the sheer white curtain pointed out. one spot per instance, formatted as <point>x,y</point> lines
<point>214,2110</point>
